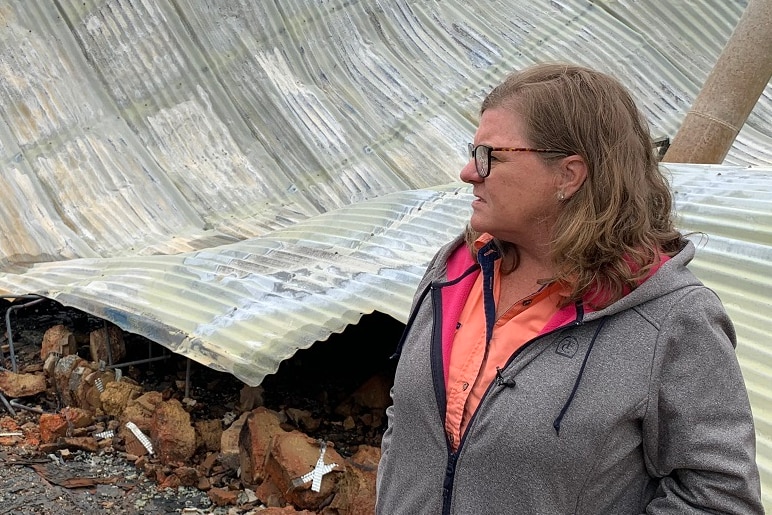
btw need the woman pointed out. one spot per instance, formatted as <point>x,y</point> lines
<point>559,357</point>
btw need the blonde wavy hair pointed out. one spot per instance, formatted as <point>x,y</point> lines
<point>614,228</point>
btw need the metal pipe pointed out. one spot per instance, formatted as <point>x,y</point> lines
<point>16,404</point>
<point>17,297</point>
<point>187,380</point>
<point>7,405</point>
<point>10,332</point>
<point>730,92</point>
<point>138,362</point>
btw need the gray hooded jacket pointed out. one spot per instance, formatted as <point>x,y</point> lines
<point>638,408</point>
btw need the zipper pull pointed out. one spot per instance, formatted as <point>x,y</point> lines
<point>500,381</point>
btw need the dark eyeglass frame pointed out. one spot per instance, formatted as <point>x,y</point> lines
<point>482,160</point>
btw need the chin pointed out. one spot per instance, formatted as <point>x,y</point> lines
<point>477,225</point>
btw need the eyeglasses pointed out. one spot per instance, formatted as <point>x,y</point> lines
<point>482,155</point>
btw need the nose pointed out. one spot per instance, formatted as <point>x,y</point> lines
<point>469,172</point>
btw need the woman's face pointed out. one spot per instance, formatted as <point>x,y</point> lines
<point>518,201</point>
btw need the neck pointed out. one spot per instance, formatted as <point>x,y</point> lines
<point>531,262</point>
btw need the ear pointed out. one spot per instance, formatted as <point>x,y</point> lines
<point>573,173</point>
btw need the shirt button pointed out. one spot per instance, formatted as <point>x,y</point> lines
<point>465,386</point>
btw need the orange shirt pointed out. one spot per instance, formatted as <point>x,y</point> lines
<point>473,367</point>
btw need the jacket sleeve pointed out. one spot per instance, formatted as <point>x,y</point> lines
<point>386,440</point>
<point>698,432</point>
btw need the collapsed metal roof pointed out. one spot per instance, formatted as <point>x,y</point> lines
<point>236,180</point>
<point>130,128</point>
<point>244,307</point>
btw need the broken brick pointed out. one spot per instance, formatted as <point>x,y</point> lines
<point>88,393</point>
<point>133,445</point>
<point>229,443</point>
<point>356,489</point>
<point>208,434</point>
<point>208,463</point>
<point>77,383</point>
<point>58,339</point>
<point>171,481</point>
<point>367,456</point>
<point>52,427</point>
<point>8,424</point>
<point>117,395</point>
<point>77,417</point>
<point>223,497</point>
<point>62,371</point>
<point>188,476</point>
<point>31,434</point>
<point>101,338</point>
<point>355,493</point>
<point>204,484</point>
<point>255,443</point>
<point>295,454</point>
<point>173,437</point>
<point>21,385</point>
<point>141,410</point>
<point>84,443</point>
<point>49,365</point>
<point>269,494</point>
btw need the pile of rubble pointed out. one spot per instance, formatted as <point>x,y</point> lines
<point>254,457</point>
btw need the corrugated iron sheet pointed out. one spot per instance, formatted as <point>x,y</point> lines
<point>135,127</point>
<point>244,307</point>
<point>237,179</point>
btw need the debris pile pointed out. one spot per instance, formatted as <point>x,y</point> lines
<point>74,396</point>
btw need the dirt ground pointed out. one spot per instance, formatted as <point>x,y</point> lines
<point>80,482</point>
<point>28,486</point>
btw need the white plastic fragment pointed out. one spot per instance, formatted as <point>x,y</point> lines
<point>144,440</point>
<point>316,475</point>
<point>105,434</point>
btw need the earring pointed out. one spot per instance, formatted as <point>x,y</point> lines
<point>561,196</point>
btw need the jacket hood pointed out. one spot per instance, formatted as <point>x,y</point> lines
<point>671,276</point>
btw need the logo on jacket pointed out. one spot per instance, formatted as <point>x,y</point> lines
<point>567,347</point>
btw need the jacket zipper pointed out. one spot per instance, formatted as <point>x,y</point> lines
<point>450,469</point>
